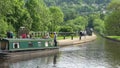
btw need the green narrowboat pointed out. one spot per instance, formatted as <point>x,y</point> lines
<point>10,45</point>
<point>23,43</point>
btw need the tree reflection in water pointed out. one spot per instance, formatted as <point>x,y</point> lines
<point>41,62</point>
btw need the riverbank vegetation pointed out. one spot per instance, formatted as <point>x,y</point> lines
<point>114,37</point>
<point>112,20</point>
<point>60,16</point>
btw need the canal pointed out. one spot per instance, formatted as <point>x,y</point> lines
<point>100,53</point>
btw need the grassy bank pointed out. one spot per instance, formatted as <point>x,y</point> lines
<point>67,37</point>
<point>114,37</point>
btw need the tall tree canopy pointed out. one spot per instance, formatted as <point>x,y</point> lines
<point>99,26</point>
<point>39,13</point>
<point>5,7</point>
<point>78,23</point>
<point>74,8</point>
<point>113,19</point>
<point>3,26</point>
<point>19,15</point>
<point>57,18</point>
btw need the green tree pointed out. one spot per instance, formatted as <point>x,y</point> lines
<point>57,18</point>
<point>39,14</point>
<point>112,24</point>
<point>114,5</point>
<point>33,8</point>
<point>78,23</point>
<point>99,26</point>
<point>66,29</point>
<point>19,16</point>
<point>91,19</point>
<point>5,7</point>
<point>3,26</point>
<point>70,13</point>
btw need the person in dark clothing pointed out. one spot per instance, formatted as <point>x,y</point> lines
<point>8,34</point>
<point>55,40</point>
<point>80,35</point>
<point>11,34</point>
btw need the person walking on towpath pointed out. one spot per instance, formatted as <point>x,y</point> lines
<point>55,39</point>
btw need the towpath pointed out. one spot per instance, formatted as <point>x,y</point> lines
<point>84,39</point>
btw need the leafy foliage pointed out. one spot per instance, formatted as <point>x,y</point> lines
<point>37,13</point>
<point>5,7</point>
<point>3,26</point>
<point>66,29</point>
<point>78,23</point>
<point>57,17</point>
<point>99,26</point>
<point>53,15</point>
<point>74,8</point>
<point>113,23</point>
<point>113,19</point>
<point>19,15</point>
<point>114,5</point>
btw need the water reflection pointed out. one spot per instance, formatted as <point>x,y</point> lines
<point>3,64</point>
<point>97,54</point>
<point>55,60</point>
<point>42,62</point>
<point>113,53</point>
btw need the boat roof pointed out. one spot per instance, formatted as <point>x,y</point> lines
<point>26,39</point>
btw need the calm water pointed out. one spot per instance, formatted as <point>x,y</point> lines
<point>97,54</point>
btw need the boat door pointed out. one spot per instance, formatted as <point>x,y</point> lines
<point>3,46</point>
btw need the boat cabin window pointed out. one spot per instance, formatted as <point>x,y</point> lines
<point>52,43</point>
<point>15,45</point>
<point>30,44</point>
<point>39,44</point>
<point>46,44</point>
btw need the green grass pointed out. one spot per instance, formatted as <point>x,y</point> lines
<point>114,37</point>
<point>67,37</point>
